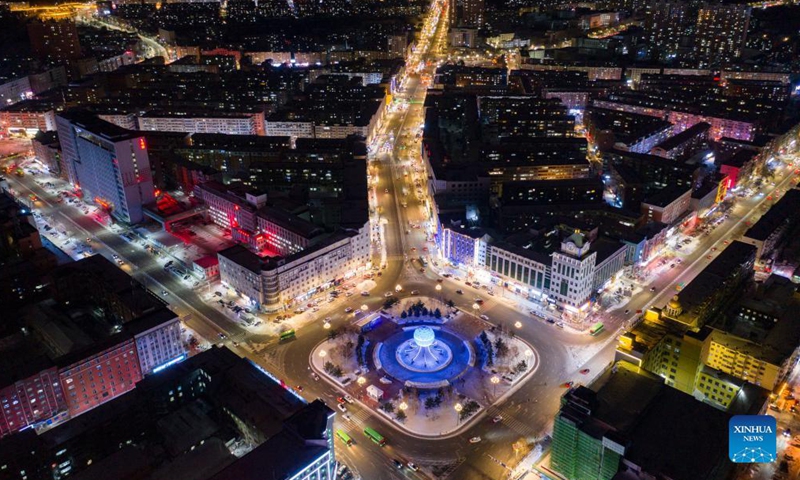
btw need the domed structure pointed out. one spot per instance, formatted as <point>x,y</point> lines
<point>674,307</point>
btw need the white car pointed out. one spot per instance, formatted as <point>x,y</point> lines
<point>474,439</point>
<point>348,399</point>
<point>484,317</point>
<point>347,417</point>
<point>341,408</point>
<point>412,467</point>
<point>385,380</point>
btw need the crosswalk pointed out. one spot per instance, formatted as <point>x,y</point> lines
<point>521,427</point>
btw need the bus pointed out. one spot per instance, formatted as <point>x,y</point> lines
<point>375,436</point>
<point>596,329</point>
<point>344,437</point>
<point>287,335</point>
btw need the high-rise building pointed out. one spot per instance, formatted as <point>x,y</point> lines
<point>55,40</point>
<point>720,33</point>
<point>467,13</point>
<point>636,424</point>
<point>108,164</point>
<point>664,24</point>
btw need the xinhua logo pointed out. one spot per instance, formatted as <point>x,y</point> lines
<point>752,439</point>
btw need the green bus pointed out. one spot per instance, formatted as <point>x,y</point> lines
<point>288,334</point>
<point>344,437</point>
<point>375,436</point>
<point>596,329</point>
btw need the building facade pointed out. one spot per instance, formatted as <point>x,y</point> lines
<point>107,164</point>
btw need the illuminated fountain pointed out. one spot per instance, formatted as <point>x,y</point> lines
<point>423,353</point>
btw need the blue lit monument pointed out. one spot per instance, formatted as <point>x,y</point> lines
<point>423,352</point>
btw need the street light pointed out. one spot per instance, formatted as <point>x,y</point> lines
<point>458,407</point>
<point>476,307</point>
<point>323,353</point>
<point>403,406</point>
<point>518,324</point>
<point>326,325</point>
<point>495,380</point>
<point>361,381</point>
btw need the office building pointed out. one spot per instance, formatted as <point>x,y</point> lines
<point>107,164</point>
<point>720,33</point>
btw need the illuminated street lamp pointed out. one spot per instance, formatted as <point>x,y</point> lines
<point>518,324</point>
<point>364,308</point>
<point>495,380</point>
<point>326,325</point>
<point>476,307</point>
<point>361,381</point>
<point>529,353</point>
<point>398,287</point>
<point>458,407</point>
<point>403,406</point>
<point>323,353</point>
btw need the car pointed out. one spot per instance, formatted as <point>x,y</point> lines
<point>672,265</point>
<point>638,311</point>
<point>412,466</point>
<point>787,433</point>
<point>365,294</point>
<point>398,463</point>
<point>349,399</point>
<point>414,292</point>
<point>385,190</point>
<point>550,320</point>
<point>222,336</point>
<point>475,440</point>
<point>315,376</point>
<point>652,289</point>
<point>460,292</point>
<point>388,294</point>
<point>709,257</point>
<point>340,400</point>
<point>713,249</point>
<point>497,419</point>
<point>585,371</point>
<point>568,384</point>
<point>479,301</point>
<point>484,317</point>
<point>164,292</point>
<point>341,408</point>
<point>385,380</point>
<point>348,309</point>
<point>627,311</point>
<point>347,417</point>
<point>299,388</point>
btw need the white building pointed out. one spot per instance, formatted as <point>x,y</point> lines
<point>158,340</point>
<point>280,282</point>
<point>299,129</point>
<point>567,277</point>
<point>107,164</point>
<point>238,124</point>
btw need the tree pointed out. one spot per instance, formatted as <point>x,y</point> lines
<point>403,314</point>
<point>500,347</point>
<point>522,366</point>
<point>450,303</point>
<point>333,333</point>
<point>360,350</point>
<point>430,403</point>
<point>388,407</point>
<point>489,355</point>
<point>400,416</point>
<point>332,369</point>
<point>425,311</point>
<point>390,302</point>
<point>437,313</point>
<point>417,312</point>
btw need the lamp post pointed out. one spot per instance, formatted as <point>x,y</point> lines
<point>361,381</point>
<point>458,407</point>
<point>495,380</point>
<point>438,289</point>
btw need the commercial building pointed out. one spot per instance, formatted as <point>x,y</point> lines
<point>720,33</point>
<point>47,150</point>
<point>555,266</point>
<point>273,283</point>
<point>28,118</point>
<point>107,164</point>
<point>635,424</point>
